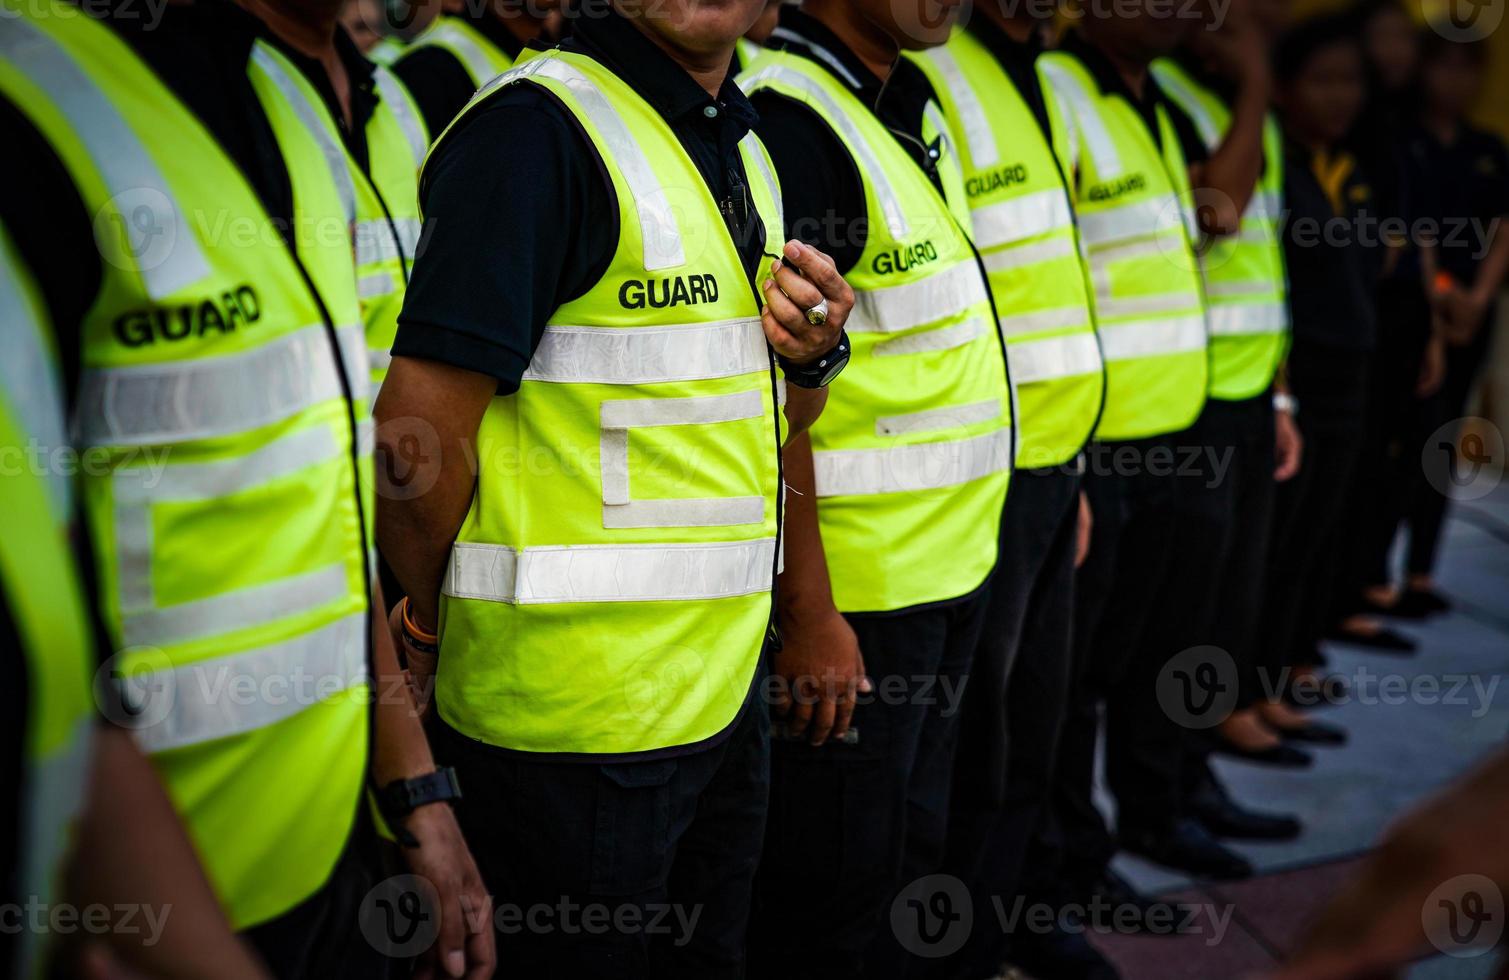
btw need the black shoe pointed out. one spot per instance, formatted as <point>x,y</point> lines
<point>1316,733</point>
<point>1188,846</point>
<point>1059,955</point>
<point>1282,755</point>
<point>1224,817</point>
<point>1383,640</point>
<point>1420,603</point>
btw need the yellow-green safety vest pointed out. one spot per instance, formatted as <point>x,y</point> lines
<point>913,451</point>
<point>227,395</point>
<point>41,586</point>
<point>1025,230</point>
<point>477,53</point>
<point>1137,224</point>
<point>610,589</point>
<point>1246,283</point>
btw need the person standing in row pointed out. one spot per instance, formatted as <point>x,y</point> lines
<point>896,495</point>
<point>601,365</point>
<point>998,113</point>
<point>237,362</point>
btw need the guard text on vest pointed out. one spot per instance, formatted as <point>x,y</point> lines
<point>658,294</point>
<point>231,310</point>
<point>1111,190</point>
<point>902,259</point>
<point>995,180</point>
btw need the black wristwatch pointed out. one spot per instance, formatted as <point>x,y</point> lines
<point>820,372</point>
<point>402,797</point>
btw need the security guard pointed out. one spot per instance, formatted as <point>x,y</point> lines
<point>1025,229</point>
<point>465,47</point>
<point>1247,288</point>
<point>57,757</point>
<point>595,546</point>
<point>1137,219</point>
<point>211,301</point>
<point>897,495</point>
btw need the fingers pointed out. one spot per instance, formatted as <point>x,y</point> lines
<point>790,316</point>
<point>843,712</point>
<point>481,953</point>
<point>800,716</point>
<point>822,719</point>
<point>451,944</point>
<point>820,270</point>
<point>798,290</point>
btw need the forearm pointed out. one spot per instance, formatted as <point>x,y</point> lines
<point>1234,167</point>
<point>803,408</point>
<point>805,587</point>
<point>132,851</point>
<point>399,747</point>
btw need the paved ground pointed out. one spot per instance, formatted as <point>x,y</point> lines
<point>1401,749</point>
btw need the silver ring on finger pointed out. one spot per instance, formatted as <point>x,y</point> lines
<point>818,315</point>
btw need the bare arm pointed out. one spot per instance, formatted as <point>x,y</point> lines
<point>132,852</point>
<point>427,417</point>
<point>803,408</point>
<point>1231,173</point>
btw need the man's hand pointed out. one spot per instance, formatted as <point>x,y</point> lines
<point>464,947</point>
<point>1235,47</point>
<point>1083,531</point>
<point>823,671</point>
<point>1288,447</point>
<point>804,278</point>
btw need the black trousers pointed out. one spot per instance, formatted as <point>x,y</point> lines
<point>1014,705</point>
<point>321,937</point>
<point>1305,558</point>
<point>1427,512</point>
<point>632,869</point>
<point>1119,592</point>
<point>851,824</point>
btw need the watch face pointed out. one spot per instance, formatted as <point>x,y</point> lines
<point>836,365</point>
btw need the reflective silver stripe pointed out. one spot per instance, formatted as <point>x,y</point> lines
<point>819,52</point>
<point>905,469</point>
<point>379,360</point>
<point>203,397</point>
<point>621,415</point>
<point>1139,305</point>
<point>1193,106</point>
<point>1151,338</point>
<point>166,253</point>
<point>137,489</point>
<point>1021,218</point>
<point>1053,358</point>
<point>1224,289</point>
<point>1060,318</point>
<point>54,794</point>
<point>1030,253</point>
<point>1236,319</point>
<point>392,93</point>
<point>659,232</point>
<point>1086,118</point>
<point>375,242</point>
<point>1136,220</point>
<point>838,117</point>
<point>1265,205</point>
<point>609,573</point>
<point>478,65</point>
<point>1104,255</point>
<point>235,610</point>
<point>375,285</point>
<point>752,147</point>
<point>892,309</point>
<point>316,119</point>
<point>209,699</point>
<point>30,382</point>
<point>648,355</point>
<point>983,151</point>
<point>944,338</point>
<point>938,419</point>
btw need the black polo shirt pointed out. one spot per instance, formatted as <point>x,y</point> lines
<point>1462,181</point>
<point>521,216</point>
<point>820,183</point>
<point>438,80</point>
<point>1333,269</point>
<point>1111,81</point>
<point>200,51</point>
